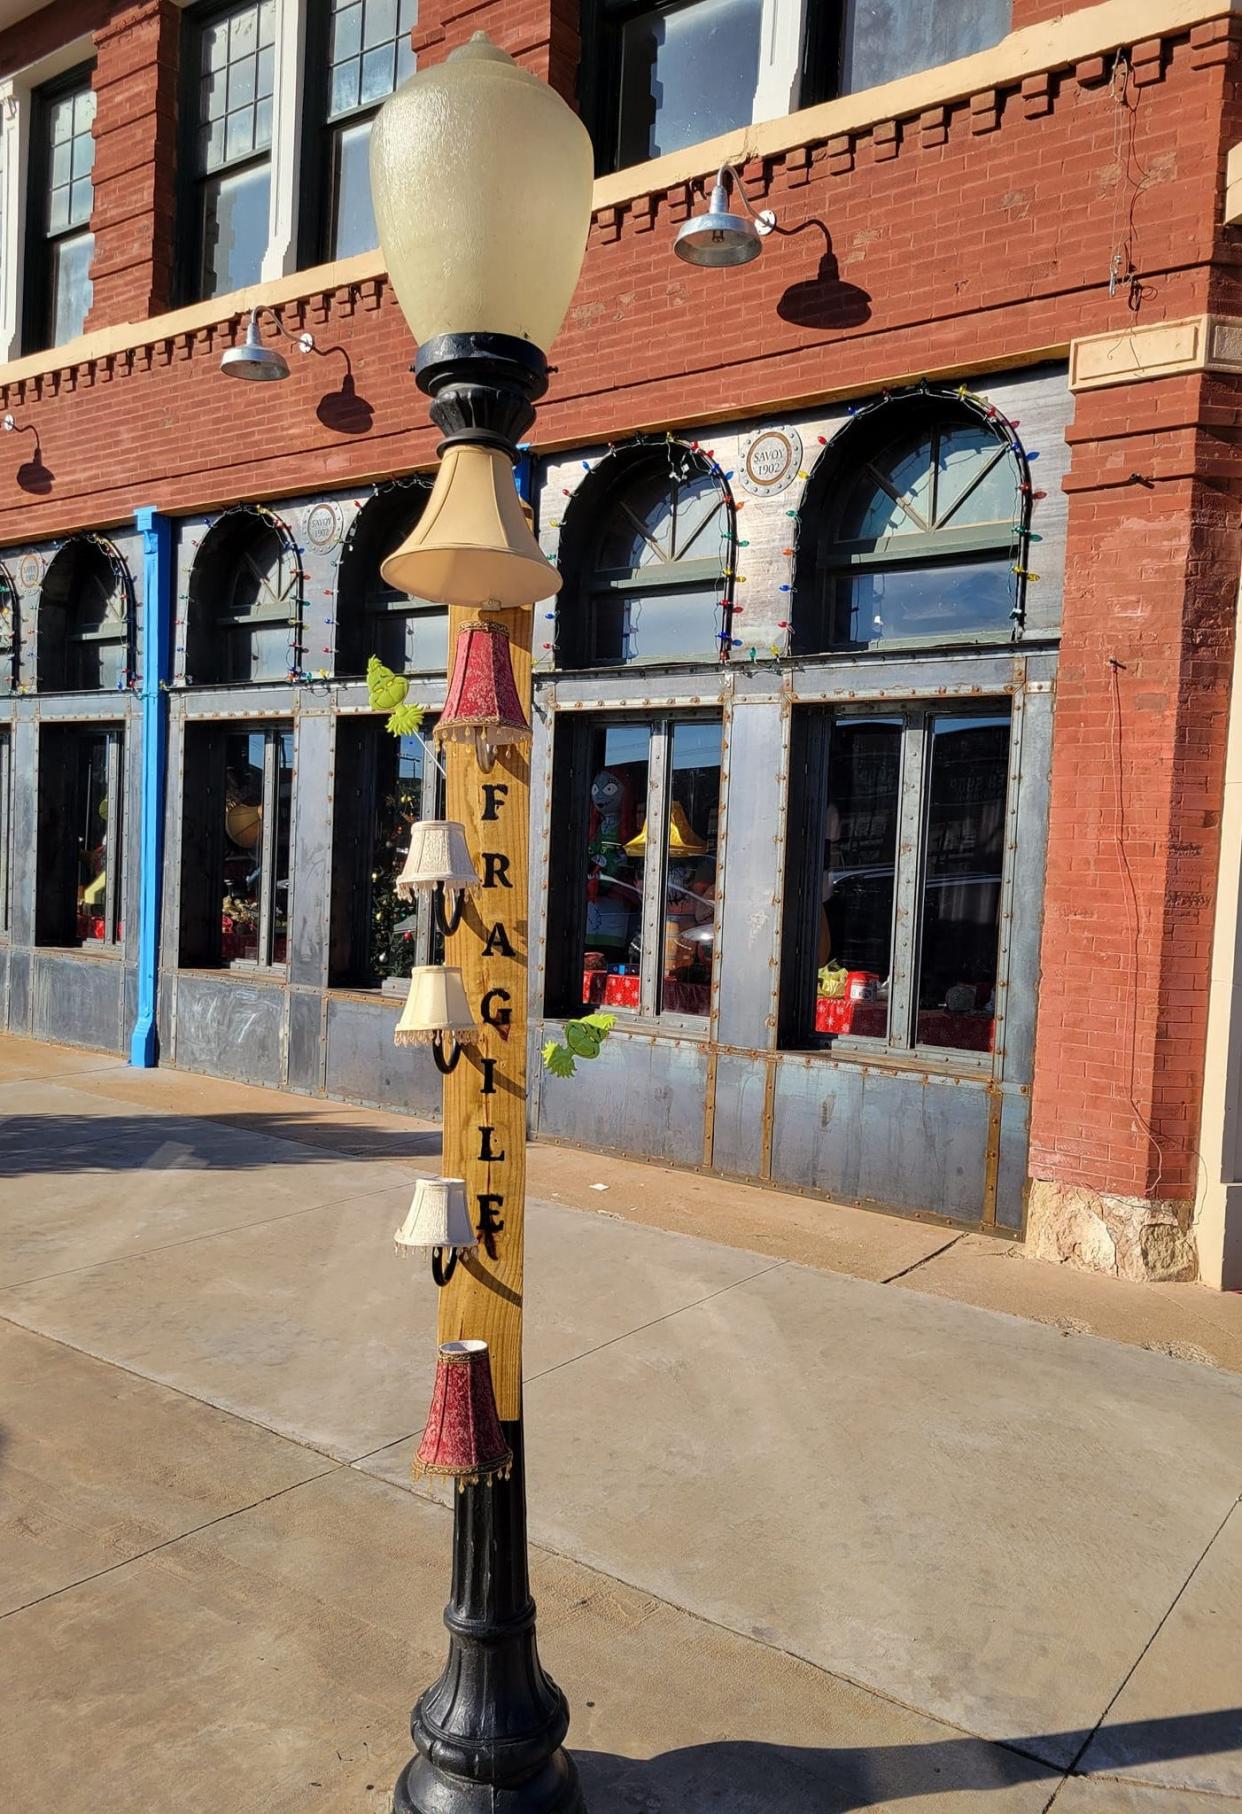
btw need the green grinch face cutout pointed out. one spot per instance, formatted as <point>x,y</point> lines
<point>583,1039</point>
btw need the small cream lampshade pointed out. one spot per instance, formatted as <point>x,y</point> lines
<point>439,1220</point>
<point>439,857</point>
<point>436,1007</point>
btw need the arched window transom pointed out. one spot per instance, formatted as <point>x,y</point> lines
<point>913,533</point>
<point>245,603</point>
<point>407,634</point>
<point>83,619</point>
<point>648,556</point>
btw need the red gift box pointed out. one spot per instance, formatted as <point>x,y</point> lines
<point>621,992</point>
<point>593,987</point>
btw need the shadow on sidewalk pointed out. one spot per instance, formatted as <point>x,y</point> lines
<point>45,1144</point>
<point>744,1777</point>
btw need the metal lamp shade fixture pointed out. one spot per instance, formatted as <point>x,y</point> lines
<point>438,1219</point>
<point>722,236</point>
<point>252,360</point>
<point>463,1440</point>
<point>482,697</point>
<point>473,540</point>
<point>439,863</point>
<point>436,1007</point>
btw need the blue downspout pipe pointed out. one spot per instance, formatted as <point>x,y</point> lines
<point>155,669</point>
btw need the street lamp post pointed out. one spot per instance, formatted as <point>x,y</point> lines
<point>482,177</point>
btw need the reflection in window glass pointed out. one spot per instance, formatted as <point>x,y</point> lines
<point>884,39</point>
<point>855,938</point>
<point>687,73</point>
<point>236,83</point>
<point>6,825</point>
<point>254,899</point>
<point>930,604</point>
<point>61,287</point>
<point>369,54</point>
<point>244,607</point>
<point>691,825</point>
<point>401,933</point>
<point>616,863</point>
<point>963,857</point>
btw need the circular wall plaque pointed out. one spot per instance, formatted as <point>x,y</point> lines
<point>30,572</point>
<point>325,525</point>
<point>771,460</point>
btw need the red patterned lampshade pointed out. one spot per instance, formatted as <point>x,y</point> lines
<point>483,698</point>
<point>463,1439</point>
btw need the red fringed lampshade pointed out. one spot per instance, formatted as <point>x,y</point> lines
<point>463,1439</point>
<point>483,698</point>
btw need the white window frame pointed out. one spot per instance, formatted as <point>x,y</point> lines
<point>783,32</point>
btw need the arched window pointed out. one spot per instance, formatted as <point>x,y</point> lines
<point>407,634</point>
<point>647,552</point>
<point>83,621</point>
<point>10,646</point>
<point>245,602</point>
<point>912,530</point>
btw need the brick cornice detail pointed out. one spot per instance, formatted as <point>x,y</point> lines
<point>1163,349</point>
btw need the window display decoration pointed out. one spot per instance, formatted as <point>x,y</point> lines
<point>685,461</point>
<point>389,692</point>
<point>297,673</point>
<point>960,401</point>
<point>583,1039</point>
<point>483,700</point>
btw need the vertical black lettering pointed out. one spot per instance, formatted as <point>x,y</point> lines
<point>493,804</point>
<point>485,1146</point>
<point>495,870</point>
<point>490,1224</point>
<point>498,941</point>
<point>495,1017</point>
<point>489,1077</point>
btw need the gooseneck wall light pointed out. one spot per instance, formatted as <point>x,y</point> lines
<point>259,364</point>
<point>722,236</point>
<point>481,178</point>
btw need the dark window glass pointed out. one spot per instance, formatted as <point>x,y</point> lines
<point>884,39</point>
<point>61,245</point>
<point>963,858</point>
<point>80,830</point>
<point>82,626</point>
<point>894,934</point>
<point>633,895</point>
<point>244,605</point>
<point>367,54</point>
<point>407,634</point>
<point>232,83</point>
<point>654,574</point>
<point>855,932</point>
<point>687,73</point>
<point>384,784</point>
<point>235,845</point>
<point>918,537</point>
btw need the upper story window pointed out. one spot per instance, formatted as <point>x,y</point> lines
<point>911,531</point>
<point>59,243</point>
<point>230,60</point>
<point>659,76</point>
<point>407,634</point>
<point>361,53</point>
<point>646,551</point>
<point>82,627</point>
<point>245,603</point>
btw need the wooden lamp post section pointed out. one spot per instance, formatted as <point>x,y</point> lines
<point>481,177</point>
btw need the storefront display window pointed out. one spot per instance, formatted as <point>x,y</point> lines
<point>632,925</point>
<point>384,784</point>
<point>6,825</point>
<point>79,836</point>
<point>235,846</point>
<point>912,533</point>
<point>646,551</point>
<point>892,933</point>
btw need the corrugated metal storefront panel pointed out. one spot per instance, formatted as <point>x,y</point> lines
<point>637,1097</point>
<point>749,922</point>
<point>737,1127</point>
<point>305,1060</point>
<point>895,1139</point>
<point>230,1028</point>
<point>363,1064</point>
<point>311,848</point>
<point>1011,1171</point>
<point>80,1001</point>
<point>19,991</point>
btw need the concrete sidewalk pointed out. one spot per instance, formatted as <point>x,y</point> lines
<point>807,1541</point>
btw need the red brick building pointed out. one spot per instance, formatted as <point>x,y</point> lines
<point>883,770</point>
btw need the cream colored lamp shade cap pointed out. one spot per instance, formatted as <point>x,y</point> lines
<point>473,540</point>
<point>438,855</point>
<point>481,178</point>
<point>438,1217</point>
<point>435,1006</point>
